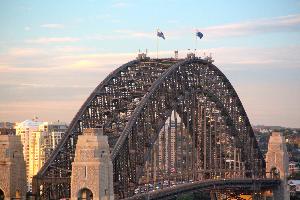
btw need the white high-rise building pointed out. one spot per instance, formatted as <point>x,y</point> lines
<point>38,139</point>
<point>27,130</point>
<point>166,146</point>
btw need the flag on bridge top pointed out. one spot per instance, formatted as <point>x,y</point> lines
<point>199,34</point>
<point>160,34</point>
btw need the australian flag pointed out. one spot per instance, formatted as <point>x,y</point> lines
<point>160,34</point>
<point>199,34</point>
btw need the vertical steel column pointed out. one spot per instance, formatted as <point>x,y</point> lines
<point>176,144</point>
<point>234,161</point>
<point>154,164</point>
<point>194,136</point>
<point>164,149</point>
<point>147,175</point>
<point>169,148</point>
<point>239,159</point>
<point>187,134</point>
<point>181,142</point>
<point>204,138</point>
<point>215,145</point>
<point>210,143</point>
<point>200,141</point>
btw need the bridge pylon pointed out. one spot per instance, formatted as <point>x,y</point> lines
<point>12,168</point>
<point>92,170</point>
<point>277,164</point>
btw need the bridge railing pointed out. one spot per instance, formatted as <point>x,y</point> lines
<point>165,180</point>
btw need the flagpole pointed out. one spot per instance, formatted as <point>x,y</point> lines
<point>195,42</point>
<point>156,44</point>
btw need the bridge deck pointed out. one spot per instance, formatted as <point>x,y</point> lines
<point>209,185</point>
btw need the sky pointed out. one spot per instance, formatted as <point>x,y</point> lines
<point>53,53</point>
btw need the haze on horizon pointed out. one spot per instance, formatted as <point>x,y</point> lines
<point>54,53</point>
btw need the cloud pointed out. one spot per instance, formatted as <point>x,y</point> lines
<point>26,93</point>
<point>105,18</point>
<point>41,85</point>
<point>276,24</point>
<point>53,26</point>
<point>25,52</point>
<point>287,23</point>
<point>173,21</point>
<point>4,68</point>
<point>48,40</point>
<point>119,5</point>
<point>135,34</point>
<point>105,62</point>
<point>50,110</point>
<point>84,64</point>
<point>60,58</point>
<point>123,34</point>
<point>78,58</point>
<point>27,28</point>
<point>243,58</point>
<point>71,49</point>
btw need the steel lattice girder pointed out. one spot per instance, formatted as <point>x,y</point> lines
<point>139,96</point>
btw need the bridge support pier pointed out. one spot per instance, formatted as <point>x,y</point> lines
<point>92,170</point>
<point>12,168</point>
<point>277,165</point>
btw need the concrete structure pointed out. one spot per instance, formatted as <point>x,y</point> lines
<point>277,162</point>
<point>12,168</point>
<point>92,169</point>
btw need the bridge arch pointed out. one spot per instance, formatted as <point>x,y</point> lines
<point>133,104</point>
<point>182,81</point>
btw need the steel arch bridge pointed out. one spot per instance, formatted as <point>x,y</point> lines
<point>169,122</point>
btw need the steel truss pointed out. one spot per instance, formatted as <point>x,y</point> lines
<point>169,122</point>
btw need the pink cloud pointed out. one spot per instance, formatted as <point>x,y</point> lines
<point>53,26</point>
<point>276,24</point>
<point>25,52</point>
<point>47,40</point>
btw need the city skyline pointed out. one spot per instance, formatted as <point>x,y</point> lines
<point>53,55</point>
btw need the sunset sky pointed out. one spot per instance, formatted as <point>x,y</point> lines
<point>54,53</point>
